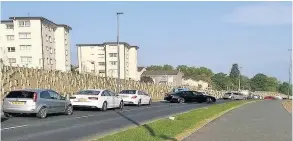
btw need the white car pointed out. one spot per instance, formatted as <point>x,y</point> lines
<point>234,96</point>
<point>136,97</point>
<point>97,98</point>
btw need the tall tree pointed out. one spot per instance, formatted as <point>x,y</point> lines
<point>234,75</point>
<point>221,81</point>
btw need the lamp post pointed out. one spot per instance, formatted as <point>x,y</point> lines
<point>118,52</point>
<point>290,72</point>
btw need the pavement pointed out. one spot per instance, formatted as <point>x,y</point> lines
<point>261,121</point>
<point>86,124</point>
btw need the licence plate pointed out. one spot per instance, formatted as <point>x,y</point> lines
<point>17,103</point>
<point>81,100</point>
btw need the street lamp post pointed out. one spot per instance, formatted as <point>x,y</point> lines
<point>118,52</point>
<point>239,81</point>
<point>290,73</point>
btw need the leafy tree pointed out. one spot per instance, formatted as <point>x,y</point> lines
<point>284,87</point>
<point>146,79</point>
<point>159,67</point>
<point>234,75</point>
<point>221,81</point>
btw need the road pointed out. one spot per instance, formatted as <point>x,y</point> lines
<point>260,121</point>
<point>86,124</point>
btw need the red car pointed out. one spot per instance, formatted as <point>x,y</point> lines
<point>269,97</point>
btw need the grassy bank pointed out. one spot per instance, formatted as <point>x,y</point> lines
<point>166,129</point>
<point>288,105</point>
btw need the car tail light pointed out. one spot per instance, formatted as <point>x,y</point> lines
<point>35,97</point>
<point>134,97</point>
<point>93,98</point>
<point>72,97</point>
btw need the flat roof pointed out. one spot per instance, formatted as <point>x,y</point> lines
<point>40,18</point>
<point>106,43</point>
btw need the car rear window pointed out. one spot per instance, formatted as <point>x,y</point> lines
<point>128,92</point>
<point>20,94</point>
<point>88,92</point>
<point>227,93</point>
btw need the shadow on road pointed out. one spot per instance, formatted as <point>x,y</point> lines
<point>147,127</point>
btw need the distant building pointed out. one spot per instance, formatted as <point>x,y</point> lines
<point>200,84</point>
<point>101,59</point>
<point>173,77</point>
<point>140,70</point>
<point>35,42</point>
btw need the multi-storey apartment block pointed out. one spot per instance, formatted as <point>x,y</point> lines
<point>101,59</point>
<point>35,42</point>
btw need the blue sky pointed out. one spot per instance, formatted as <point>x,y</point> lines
<point>256,35</point>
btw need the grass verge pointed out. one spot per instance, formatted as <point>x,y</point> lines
<point>172,130</point>
<point>288,105</point>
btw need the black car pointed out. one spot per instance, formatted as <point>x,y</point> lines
<point>189,96</point>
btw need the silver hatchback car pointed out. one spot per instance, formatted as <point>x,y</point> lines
<point>36,101</point>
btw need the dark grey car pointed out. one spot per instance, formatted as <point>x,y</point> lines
<point>36,101</point>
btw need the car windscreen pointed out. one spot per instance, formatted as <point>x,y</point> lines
<point>88,92</point>
<point>128,92</point>
<point>20,94</point>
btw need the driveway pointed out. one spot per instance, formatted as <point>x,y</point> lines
<point>260,121</point>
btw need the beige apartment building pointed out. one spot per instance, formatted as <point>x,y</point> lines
<point>101,59</point>
<point>35,42</point>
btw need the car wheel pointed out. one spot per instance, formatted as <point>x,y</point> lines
<point>8,115</point>
<point>104,108</point>
<point>209,100</point>
<point>121,105</point>
<point>139,103</point>
<point>42,113</point>
<point>150,102</point>
<point>69,110</point>
<point>181,100</point>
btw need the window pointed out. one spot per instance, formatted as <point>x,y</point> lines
<point>9,26</point>
<point>11,49</point>
<point>101,71</point>
<point>51,50</point>
<point>50,39</point>
<point>105,93</point>
<point>51,61</point>
<point>25,47</point>
<point>20,94</point>
<point>47,38</point>
<point>113,54</point>
<point>24,23</point>
<point>66,52</point>
<point>48,48</point>
<point>65,32</point>
<point>26,59</point>
<point>128,92</point>
<point>54,95</point>
<point>25,35</point>
<point>12,60</point>
<point>102,63</point>
<point>48,62</point>
<point>65,42</point>
<point>10,37</point>
<point>45,95</point>
<point>113,62</point>
<point>88,92</point>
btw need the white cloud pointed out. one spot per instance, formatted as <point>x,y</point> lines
<point>270,13</point>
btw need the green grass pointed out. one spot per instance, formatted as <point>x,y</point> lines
<point>166,129</point>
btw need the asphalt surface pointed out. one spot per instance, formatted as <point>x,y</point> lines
<point>85,124</point>
<point>260,121</point>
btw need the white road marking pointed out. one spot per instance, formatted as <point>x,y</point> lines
<point>8,128</point>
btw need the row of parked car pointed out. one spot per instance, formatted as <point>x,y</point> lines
<point>46,101</point>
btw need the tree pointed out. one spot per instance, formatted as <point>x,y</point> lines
<point>146,79</point>
<point>221,81</point>
<point>159,67</point>
<point>284,87</point>
<point>261,82</point>
<point>234,75</point>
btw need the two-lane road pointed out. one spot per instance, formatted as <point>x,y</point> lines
<point>85,124</point>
